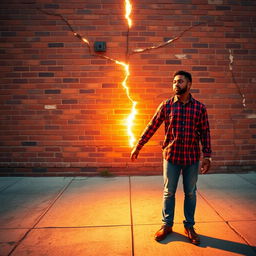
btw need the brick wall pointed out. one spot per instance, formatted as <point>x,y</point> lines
<point>63,110</point>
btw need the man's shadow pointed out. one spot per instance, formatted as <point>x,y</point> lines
<point>207,241</point>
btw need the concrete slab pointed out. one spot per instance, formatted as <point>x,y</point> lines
<point>230,195</point>
<point>23,202</point>
<point>146,198</point>
<point>246,229</point>
<point>225,181</point>
<point>147,202</point>
<point>217,239</point>
<point>6,182</point>
<point>92,217</point>
<point>93,201</point>
<point>107,241</point>
<point>8,239</point>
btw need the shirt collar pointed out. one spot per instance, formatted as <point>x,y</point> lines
<point>191,99</point>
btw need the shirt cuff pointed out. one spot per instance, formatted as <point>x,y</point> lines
<point>207,155</point>
<point>139,146</point>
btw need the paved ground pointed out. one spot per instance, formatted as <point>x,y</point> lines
<point>119,216</point>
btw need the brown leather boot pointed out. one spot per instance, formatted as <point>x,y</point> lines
<point>162,233</point>
<point>192,235</point>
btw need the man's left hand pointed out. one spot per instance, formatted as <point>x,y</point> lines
<point>206,164</point>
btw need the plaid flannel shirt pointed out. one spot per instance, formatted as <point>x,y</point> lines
<point>185,126</point>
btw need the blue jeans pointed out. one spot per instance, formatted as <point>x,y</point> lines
<point>171,173</point>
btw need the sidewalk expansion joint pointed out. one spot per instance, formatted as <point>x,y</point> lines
<point>40,217</point>
<point>10,185</point>
<point>131,216</point>
<point>248,180</point>
<point>227,222</point>
<point>85,227</point>
<point>230,226</point>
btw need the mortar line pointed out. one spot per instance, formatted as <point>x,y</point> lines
<point>131,216</point>
<point>228,224</point>
<point>40,217</point>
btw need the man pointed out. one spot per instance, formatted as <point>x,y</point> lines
<point>186,124</point>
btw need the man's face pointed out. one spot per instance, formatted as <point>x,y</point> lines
<point>180,85</point>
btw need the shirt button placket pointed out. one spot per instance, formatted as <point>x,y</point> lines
<point>182,122</point>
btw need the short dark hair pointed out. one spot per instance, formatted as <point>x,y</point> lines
<point>183,73</point>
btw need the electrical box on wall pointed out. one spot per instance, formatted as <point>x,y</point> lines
<point>100,46</point>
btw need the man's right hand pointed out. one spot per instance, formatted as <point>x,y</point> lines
<point>134,154</point>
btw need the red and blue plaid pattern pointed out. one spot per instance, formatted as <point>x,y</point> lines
<point>185,126</point>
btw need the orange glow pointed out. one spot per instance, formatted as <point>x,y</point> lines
<point>128,10</point>
<point>85,40</point>
<point>131,117</point>
<point>82,38</point>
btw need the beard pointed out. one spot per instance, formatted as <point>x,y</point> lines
<point>180,91</point>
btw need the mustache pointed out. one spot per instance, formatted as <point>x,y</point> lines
<point>179,90</point>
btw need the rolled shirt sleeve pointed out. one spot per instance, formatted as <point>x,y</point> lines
<point>205,134</point>
<point>152,126</point>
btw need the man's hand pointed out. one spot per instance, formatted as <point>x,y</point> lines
<point>206,164</point>
<point>134,154</point>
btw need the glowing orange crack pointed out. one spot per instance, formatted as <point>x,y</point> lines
<point>128,10</point>
<point>131,117</point>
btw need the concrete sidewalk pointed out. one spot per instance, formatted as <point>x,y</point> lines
<point>119,216</point>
